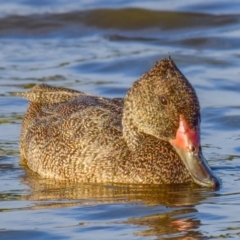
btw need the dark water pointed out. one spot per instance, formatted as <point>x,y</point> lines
<point>101,47</point>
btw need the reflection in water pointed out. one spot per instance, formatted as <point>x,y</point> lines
<point>167,211</point>
<point>178,224</point>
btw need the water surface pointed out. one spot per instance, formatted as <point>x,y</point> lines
<point>102,47</point>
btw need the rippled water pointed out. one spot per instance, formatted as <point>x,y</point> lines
<point>101,47</point>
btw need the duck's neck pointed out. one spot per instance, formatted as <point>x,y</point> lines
<point>131,133</point>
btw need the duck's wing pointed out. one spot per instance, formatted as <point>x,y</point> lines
<point>46,100</point>
<point>62,138</point>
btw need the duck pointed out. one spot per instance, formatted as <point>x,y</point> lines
<point>151,136</point>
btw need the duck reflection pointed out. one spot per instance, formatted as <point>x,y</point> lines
<point>175,214</point>
<point>178,224</point>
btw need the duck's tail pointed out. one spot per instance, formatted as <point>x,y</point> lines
<point>19,94</point>
<point>46,94</point>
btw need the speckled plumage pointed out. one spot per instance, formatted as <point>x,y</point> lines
<point>67,134</point>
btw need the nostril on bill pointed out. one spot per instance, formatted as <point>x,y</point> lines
<point>192,148</point>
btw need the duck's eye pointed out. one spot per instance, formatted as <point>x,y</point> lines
<point>163,101</point>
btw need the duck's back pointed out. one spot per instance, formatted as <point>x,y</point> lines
<point>67,134</point>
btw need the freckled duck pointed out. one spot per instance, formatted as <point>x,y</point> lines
<point>150,136</point>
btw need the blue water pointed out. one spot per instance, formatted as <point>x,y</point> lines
<point>102,47</point>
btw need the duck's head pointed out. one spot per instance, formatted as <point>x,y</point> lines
<point>163,104</point>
